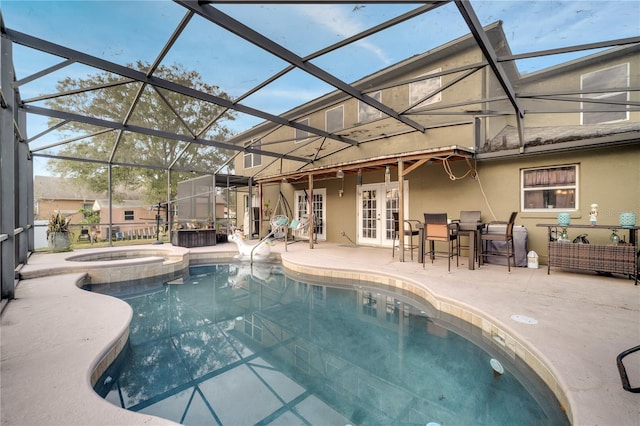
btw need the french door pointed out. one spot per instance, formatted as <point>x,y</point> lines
<point>376,203</point>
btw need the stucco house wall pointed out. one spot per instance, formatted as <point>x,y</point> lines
<point>606,155</point>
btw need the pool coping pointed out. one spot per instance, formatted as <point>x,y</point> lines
<point>600,398</point>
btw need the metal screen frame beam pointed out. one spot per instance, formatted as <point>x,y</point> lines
<point>225,21</point>
<point>98,63</point>
<point>7,173</point>
<point>115,125</point>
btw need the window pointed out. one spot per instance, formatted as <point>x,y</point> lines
<point>252,159</point>
<point>553,188</point>
<point>419,90</point>
<point>393,310</point>
<point>128,215</point>
<point>335,119</point>
<point>301,135</point>
<point>368,113</point>
<point>369,303</point>
<point>253,327</point>
<point>318,293</point>
<point>608,78</point>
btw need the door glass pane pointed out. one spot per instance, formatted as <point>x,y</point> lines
<point>391,204</point>
<point>369,213</point>
<point>318,211</point>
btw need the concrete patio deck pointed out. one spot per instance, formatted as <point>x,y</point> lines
<point>53,334</point>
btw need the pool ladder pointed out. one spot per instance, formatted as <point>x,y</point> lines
<point>623,372</point>
<point>275,233</point>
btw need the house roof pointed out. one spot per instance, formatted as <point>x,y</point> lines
<point>560,138</point>
<point>57,188</point>
<point>410,161</point>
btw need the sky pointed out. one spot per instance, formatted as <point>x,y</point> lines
<point>126,31</point>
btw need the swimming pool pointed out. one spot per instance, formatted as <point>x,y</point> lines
<point>236,345</point>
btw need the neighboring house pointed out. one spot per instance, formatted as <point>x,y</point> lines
<point>67,196</point>
<point>130,219</point>
<point>70,196</point>
<point>471,156</point>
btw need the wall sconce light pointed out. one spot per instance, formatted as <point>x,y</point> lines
<point>387,174</point>
<point>340,175</point>
<point>359,176</point>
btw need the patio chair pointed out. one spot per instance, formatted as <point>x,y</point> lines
<point>84,235</point>
<point>436,229</point>
<point>500,234</point>
<point>410,230</point>
<point>470,221</point>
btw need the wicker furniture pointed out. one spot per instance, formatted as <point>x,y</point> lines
<point>617,259</point>
<point>193,237</point>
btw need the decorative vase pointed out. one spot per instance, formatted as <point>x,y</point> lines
<point>59,241</point>
<point>627,219</point>
<point>564,219</point>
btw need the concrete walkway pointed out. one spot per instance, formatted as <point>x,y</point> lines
<point>54,335</point>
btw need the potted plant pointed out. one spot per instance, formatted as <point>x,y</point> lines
<point>58,233</point>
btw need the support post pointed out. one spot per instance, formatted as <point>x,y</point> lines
<point>7,173</point>
<point>401,209</point>
<point>311,218</point>
<point>110,183</point>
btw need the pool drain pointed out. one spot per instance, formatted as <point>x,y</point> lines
<point>497,367</point>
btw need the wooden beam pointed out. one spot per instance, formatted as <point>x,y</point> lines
<point>411,167</point>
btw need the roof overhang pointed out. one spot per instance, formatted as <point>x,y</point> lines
<point>411,161</point>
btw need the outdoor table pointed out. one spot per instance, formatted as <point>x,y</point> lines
<point>474,237</point>
<point>473,231</point>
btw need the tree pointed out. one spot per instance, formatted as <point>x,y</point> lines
<point>110,97</point>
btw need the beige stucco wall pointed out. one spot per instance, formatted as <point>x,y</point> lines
<point>566,80</point>
<point>609,177</point>
<point>459,130</point>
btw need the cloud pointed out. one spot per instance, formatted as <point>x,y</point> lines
<point>340,21</point>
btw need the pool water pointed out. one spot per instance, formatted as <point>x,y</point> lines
<point>235,345</point>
